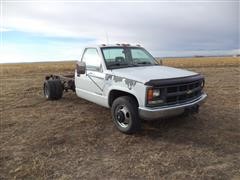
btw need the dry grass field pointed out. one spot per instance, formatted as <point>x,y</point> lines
<point>75,139</point>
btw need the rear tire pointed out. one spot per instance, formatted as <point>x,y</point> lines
<point>125,115</point>
<point>53,89</point>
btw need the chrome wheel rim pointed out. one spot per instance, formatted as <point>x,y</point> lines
<point>122,116</point>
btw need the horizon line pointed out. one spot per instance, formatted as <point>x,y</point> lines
<point>163,57</point>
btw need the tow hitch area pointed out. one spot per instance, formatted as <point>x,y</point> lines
<point>192,109</point>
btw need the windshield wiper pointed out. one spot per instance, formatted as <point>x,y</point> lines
<point>143,63</point>
<point>121,64</point>
<point>117,64</point>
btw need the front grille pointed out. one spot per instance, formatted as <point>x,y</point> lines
<point>180,93</point>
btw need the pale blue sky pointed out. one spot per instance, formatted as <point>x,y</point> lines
<point>51,31</point>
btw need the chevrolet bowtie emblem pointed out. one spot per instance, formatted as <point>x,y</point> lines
<point>189,91</point>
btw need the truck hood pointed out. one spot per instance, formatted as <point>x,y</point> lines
<point>146,73</point>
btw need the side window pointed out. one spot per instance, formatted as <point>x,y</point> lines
<point>92,59</point>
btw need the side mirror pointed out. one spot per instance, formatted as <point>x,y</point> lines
<point>81,68</point>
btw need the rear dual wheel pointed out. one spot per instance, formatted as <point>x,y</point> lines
<point>53,89</point>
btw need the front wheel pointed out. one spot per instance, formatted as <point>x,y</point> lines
<point>125,114</point>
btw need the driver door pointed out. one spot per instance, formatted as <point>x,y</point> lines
<point>90,85</point>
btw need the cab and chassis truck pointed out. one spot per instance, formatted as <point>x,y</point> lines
<point>128,80</point>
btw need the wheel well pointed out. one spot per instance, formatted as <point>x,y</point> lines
<point>114,94</point>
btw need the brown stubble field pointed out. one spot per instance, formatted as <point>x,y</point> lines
<point>75,139</point>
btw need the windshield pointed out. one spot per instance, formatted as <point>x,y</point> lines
<point>120,57</point>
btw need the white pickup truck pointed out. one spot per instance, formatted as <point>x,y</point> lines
<point>132,83</point>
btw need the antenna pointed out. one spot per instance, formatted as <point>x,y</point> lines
<point>107,37</point>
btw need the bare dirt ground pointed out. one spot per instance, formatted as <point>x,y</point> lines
<point>75,139</point>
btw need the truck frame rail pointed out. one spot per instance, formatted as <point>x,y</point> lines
<point>67,81</point>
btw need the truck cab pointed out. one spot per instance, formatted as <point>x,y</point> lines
<point>128,80</point>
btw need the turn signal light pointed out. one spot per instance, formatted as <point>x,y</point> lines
<point>150,94</point>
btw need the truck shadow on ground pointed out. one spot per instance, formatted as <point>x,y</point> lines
<point>161,127</point>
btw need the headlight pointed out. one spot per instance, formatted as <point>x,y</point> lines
<point>154,96</point>
<point>156,92</point>
<point>152,93</point>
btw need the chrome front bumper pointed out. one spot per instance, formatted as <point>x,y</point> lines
<point>155,113</point>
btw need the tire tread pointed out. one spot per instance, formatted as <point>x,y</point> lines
<point>54,88</point>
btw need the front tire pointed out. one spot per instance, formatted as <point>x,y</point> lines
<point>125,115</point>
